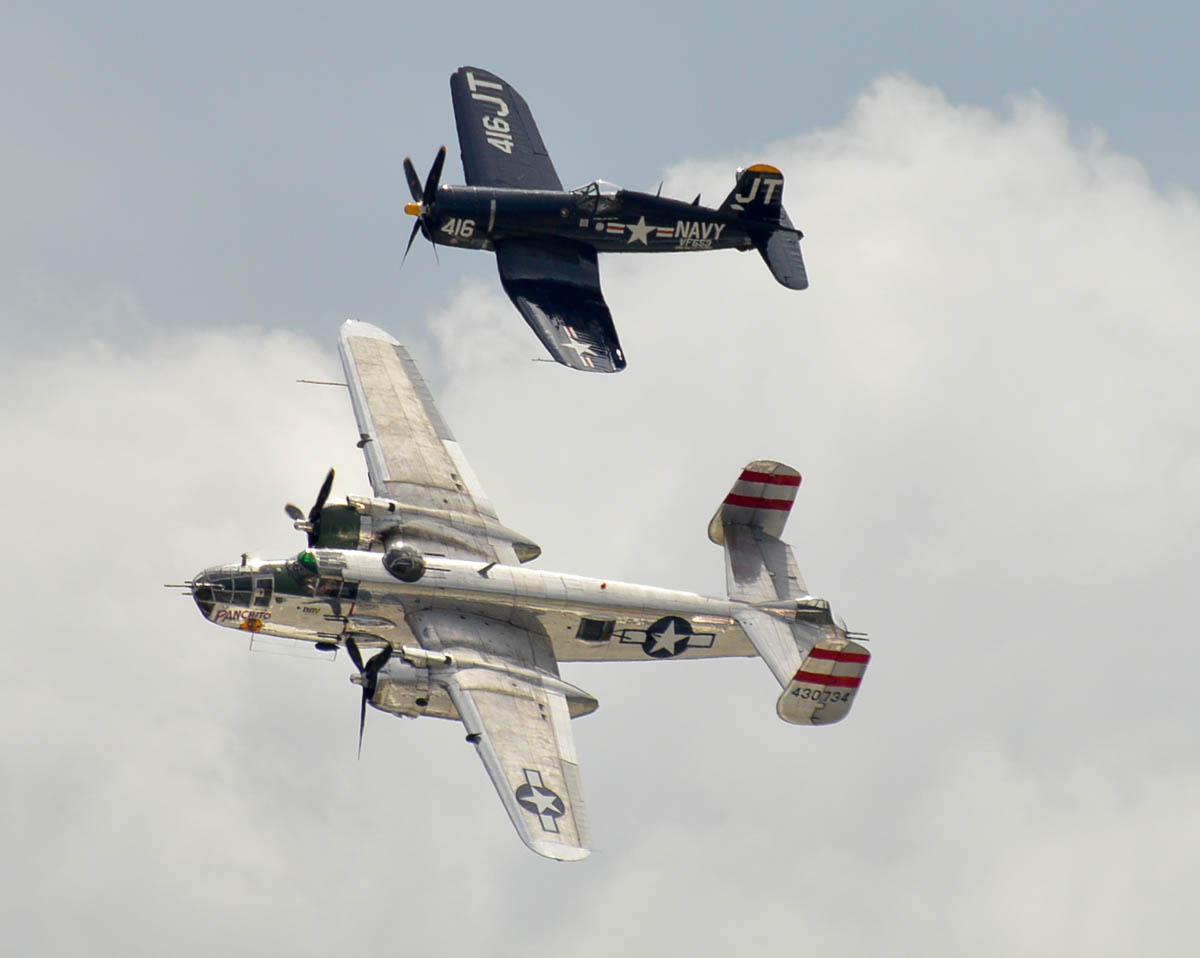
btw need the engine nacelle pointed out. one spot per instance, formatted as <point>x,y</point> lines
<point>402,689</point>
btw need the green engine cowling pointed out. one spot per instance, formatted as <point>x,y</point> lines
<point>375,525</point>
<point>341,528</point>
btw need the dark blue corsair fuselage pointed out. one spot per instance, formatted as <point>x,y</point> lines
<point>621,221</point>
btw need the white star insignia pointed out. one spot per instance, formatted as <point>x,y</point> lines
<point>667,640</point>
<point>545,800</point>
<point>581,350</point>
<point>639,231</point>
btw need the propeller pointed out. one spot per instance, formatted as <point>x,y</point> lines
<point>312,523</point>
<point>419,208</point>
<point>370,677</point>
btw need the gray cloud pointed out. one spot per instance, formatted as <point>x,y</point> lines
<point>989,391</point>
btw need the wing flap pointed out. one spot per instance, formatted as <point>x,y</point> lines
<point>518,717</point>
<point>500,143</point>
<point>556,288</point>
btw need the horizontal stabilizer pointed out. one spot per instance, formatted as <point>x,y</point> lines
<point>780,250</point>
<point>794,633</point>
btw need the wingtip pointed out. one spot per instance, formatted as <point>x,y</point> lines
<point>560,852</point>
<point>357,328</point>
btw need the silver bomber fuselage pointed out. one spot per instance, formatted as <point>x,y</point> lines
<point>354,595</point>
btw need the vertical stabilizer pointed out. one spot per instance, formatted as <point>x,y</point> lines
<point>758,196</point>
<point>795,633</point>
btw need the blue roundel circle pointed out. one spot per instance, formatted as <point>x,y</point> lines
<point>540,800</point>
<point>667,637</point>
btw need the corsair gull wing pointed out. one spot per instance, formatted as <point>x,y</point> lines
<point>556,288</point>
<point>500,142</point>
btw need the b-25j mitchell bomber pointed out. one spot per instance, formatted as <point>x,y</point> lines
<point>425,573</point>
<point>546,238</point>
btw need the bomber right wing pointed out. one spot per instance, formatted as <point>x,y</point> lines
<point>500,142</point>
<point>504,684</point>
<point>555,285</point>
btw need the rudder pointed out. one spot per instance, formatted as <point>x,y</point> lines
<point>823,688</point>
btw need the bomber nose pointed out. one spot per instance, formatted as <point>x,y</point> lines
<point>202,593</point>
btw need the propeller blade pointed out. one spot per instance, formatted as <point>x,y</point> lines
<point>355,655</point>
<point>314,514</point>
<point>362,719</point>
<point>370,673</point>
<point>376,662</point>
<point>411,236</point>
<point>322,496</point>
<point>294,512</point>
<point>435,175</point>
<point>414,182</point>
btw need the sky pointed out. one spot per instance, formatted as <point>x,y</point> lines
<point>989,389</point>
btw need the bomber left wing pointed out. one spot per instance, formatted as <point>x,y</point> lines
<point>500,142</point>
<point>505,687</point>
<point>555,285</point>
<point>413,458</point>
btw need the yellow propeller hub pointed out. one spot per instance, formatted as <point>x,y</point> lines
<point>412,209</point>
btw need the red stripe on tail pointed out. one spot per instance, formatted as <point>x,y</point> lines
<point>820,678</point>
<point>749,475</point>
<point>835,656</point>
<point>755,502</point>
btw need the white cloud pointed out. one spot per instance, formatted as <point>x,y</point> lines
<point>989,390</point>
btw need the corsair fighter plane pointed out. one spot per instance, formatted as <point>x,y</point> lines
<point>425,574</point>
<point>546,238</point>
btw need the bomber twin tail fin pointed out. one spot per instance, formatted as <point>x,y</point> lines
<point>758,195</point>
<point>795,633</point>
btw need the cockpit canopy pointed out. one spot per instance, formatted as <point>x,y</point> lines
<point>240,589</point>
<point>597,188</point>
<point>598,198</point>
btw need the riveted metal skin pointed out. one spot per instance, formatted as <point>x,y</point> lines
<point>425,573</point>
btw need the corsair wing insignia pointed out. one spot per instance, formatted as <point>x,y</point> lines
<point>546,239</point>
<point>556,288</point>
